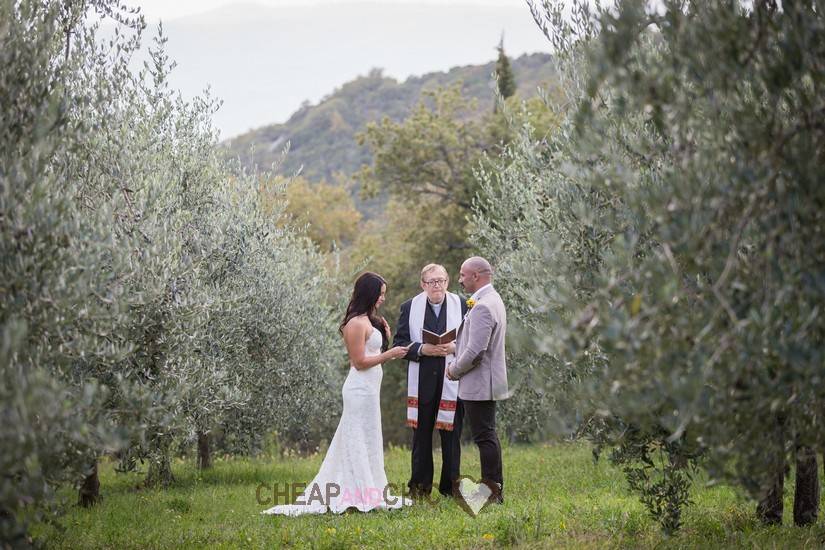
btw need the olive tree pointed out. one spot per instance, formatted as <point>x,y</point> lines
<point>59,264</point>
<point>148,295</point>
<point>669,240</point>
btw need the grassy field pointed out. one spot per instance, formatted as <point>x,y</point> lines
<point>556,497</point>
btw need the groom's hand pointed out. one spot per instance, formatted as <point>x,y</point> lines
<point>450,374</point>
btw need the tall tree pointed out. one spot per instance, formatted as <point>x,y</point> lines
<point>505,79</point>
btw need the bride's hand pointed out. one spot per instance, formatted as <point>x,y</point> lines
<point>398,352</point>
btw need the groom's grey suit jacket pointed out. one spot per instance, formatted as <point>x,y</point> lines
<point>480,365</point>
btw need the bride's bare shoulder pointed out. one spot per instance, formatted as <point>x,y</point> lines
<point>360,322</point>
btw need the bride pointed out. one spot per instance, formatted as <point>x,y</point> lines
<point>352,474</point>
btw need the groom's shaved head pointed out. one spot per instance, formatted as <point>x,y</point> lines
<point>479,265</point>
<point>475,273</point>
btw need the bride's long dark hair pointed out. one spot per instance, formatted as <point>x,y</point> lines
<point>365,295</point>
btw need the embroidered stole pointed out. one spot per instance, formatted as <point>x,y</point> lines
<point>449,389</point>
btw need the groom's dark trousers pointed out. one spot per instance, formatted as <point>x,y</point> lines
<point>481,415</point>
<point>430,384</point>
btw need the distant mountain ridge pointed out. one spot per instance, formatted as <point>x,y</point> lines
<point>322,136</point>
<point>263,61</point>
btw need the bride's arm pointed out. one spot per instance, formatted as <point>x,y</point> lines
<point>355,338</point>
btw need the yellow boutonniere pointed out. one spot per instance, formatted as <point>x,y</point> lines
<point>470,303</point>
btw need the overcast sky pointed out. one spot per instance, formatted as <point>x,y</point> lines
<point>264,58</point>
<point>170,9</point>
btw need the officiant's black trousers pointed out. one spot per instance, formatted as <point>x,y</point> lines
<point>421,480</point>
<point>481,416</point>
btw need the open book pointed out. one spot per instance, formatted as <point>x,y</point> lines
<point>437,339</point>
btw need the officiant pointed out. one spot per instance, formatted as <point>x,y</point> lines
<point>432,399</point>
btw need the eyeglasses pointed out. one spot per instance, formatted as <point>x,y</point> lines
<point>435,282</point>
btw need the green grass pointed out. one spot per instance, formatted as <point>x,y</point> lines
<point>556,497</point>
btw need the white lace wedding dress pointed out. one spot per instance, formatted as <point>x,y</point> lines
<point>352,474</point>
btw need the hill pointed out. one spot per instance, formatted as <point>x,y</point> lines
<point>322,136</point>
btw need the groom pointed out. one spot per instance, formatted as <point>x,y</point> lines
<point>480,366</point>
<point>432,400</point>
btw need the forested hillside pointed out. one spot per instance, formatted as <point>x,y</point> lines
<point>322,137</point>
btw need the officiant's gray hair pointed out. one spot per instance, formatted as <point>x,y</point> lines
<point>430,267</point>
